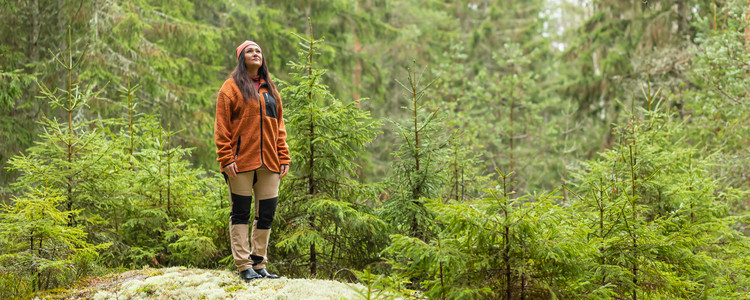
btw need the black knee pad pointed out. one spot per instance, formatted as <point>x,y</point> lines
<point>266,210</point>
<point>241,209</point>
<point>256,259</point>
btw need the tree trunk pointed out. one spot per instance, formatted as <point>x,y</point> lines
<point>311,179</point>
<point>357,63</point>
<point>416,129</point>
<point>69,142</point>
<point>333,248</point>
<point>158,159</point>
<point>506,236</point>
<point>463,185</point>
<point>34,46</point>
<point>512,149</point>
<point>442,282</point>
<point>130,119</point>
<point>169,173</point>
<point>313,260</point>
<point>633,205</point>
<point>61,20</point>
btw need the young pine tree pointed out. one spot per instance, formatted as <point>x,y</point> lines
<point>522,129</point>
<point>717,109</point>
<point>39,250</point>
<point>325,223</point>
<point>498,247</point>
<point>654,214</point>
<point>461,101</point>
<point>45,228</point>
<point>162,210</point>
<point>416,171</point>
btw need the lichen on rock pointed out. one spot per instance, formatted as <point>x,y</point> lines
<point>187,283</point>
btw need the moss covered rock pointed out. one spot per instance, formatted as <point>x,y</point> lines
<point>186,283</point>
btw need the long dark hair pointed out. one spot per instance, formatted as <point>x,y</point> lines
<point>243,81</point>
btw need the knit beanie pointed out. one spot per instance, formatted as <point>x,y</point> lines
<point>243,46</point>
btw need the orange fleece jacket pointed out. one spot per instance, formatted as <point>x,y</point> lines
<point>250,133</point>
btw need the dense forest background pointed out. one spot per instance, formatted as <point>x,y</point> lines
<point>461,149</point>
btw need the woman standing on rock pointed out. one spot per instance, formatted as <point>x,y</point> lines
<point>251,146</point>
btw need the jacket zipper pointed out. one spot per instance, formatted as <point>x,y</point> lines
<point>237,151</point>
<point>260,105</point>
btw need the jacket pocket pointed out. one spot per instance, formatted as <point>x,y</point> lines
<point>237,151</point>
<point>270,105</point>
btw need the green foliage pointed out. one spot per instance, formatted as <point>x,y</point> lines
<point>170,54</point>
<point>326,222</point>
<point>654,203</point>
<point>524,134</point>
<point>496,247</point>
<point>93,184</point>
<point>655,214</point>
<point>157,197</point>
<point>379,286</point>
<point>647,220</point>
<point>12,86</point>
<point>47,224</point>
<point>716,110</point>
<point>39,251</point>
<point>14,124</point>
<point>416,172</point>
<point>461,101</point>
<point>191,245</point>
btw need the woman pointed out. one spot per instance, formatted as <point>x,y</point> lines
<point>252,151</point>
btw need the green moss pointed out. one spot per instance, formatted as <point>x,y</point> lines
<point>232,288</point>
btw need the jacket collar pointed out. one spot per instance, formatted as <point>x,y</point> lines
<point>263,84</point>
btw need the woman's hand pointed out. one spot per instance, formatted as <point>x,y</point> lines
<point>284,170</point>
<point>230,170</point>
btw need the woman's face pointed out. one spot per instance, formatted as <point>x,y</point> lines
<point>253,57</point>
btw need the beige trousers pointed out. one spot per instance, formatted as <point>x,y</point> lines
<point>264,185</point>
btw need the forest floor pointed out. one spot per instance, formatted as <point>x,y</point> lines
<point>186,283</point>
